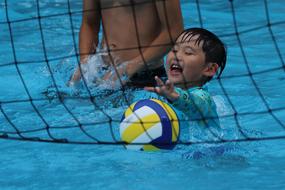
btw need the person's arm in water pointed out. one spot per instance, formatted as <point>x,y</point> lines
<point>171,21</point>
<point>88,36</point>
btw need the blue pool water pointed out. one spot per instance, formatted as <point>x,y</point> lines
<point>249,105</point>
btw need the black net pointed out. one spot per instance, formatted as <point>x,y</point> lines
<point>29,116</point>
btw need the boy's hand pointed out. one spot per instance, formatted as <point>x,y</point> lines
<point>164,89</point>
<point>74,78</point>
<point>117,76</point>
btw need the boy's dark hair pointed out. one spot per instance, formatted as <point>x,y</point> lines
<point>213,47</point>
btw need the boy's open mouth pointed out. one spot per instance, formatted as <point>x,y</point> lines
<point>176,68</point>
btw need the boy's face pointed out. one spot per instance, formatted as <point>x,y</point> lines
<point>186,65</point>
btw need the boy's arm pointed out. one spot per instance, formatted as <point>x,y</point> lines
<point>88,36</point>
<point>179,98</point>
<point>90,27</point>
<point>185,100</point>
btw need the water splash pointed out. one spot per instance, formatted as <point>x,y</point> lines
<point>106,93</point>
<point>99,75</point>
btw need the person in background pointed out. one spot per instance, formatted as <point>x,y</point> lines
<point>136,36</point>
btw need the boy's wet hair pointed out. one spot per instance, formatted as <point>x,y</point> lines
<point>213,47</point>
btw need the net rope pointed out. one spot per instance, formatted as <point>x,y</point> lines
<point>18,133</point>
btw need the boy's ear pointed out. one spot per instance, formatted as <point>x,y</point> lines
<point>211,69</point>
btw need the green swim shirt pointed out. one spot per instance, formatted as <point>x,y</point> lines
<point>200,110</point>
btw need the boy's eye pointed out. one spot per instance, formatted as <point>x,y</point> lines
<point>188,51</point>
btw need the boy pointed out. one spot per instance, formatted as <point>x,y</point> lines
<point>194,60</point>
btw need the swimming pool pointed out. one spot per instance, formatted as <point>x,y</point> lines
<point>250,99</point>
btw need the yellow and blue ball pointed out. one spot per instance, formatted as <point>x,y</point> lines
<point>149,125</point>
